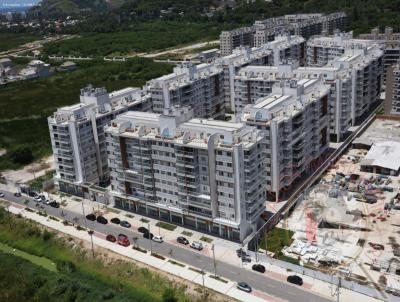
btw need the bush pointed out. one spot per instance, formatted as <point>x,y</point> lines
<point>21,154</point>
<point>169,295</point>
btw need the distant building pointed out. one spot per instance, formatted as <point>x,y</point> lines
<point>382,158</point>
<point>392,97</point>
<point>77,135</point>
<point>263,31</point>
<point>35,69</point>
<point>391,44</point>
<point>67,66</point>
<point>5,63</point>
<point>209,55</point>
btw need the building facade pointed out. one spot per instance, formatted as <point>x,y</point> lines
<point>197,86</point>
<point>203,174</point>
<point>77,135</point>
<point>392,97</point>
<point>294,119</point>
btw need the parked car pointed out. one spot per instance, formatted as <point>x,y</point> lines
<point>2,194</point>
<point>54,204</point>
<point>246,258</point>
<point>102,220</point>
<point>17,194</point>
<point>37,198</point>
<point>244,287</point>
<point>241,253</point>
<point>295,280</point>
<point>91,217</point>
<point>148,235</point>
<point>158,239</point>
<point>111,238</point>
<point>48,202</point>
<point>258,268</point>
<point>376,246</point>
<point>32,194</point>
<point>42,197</point>
<point>125,224</point>
<point>182,240</point>
<point>123,240</point>
<point>143,230</point>
<point>196,245</point>
<point>115,220</point>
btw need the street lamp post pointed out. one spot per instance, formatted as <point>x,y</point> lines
<point>151,246</point>
<point>215,264</point>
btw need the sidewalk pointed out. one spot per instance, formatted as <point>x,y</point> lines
<point>227,288</point>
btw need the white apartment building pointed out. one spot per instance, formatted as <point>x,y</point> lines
<point>283,48</point>
<point>391,46</point>
<point>392,98</point>
<point>321,50</point>
<point>77,135</point>
<point>294,120</point>
<point>203,174</point>
<point>263,31</point>
<point>197,86</point>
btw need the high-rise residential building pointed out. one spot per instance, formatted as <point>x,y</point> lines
<point>263,31</point>
<point>392,98</point>
<point>203,174</point>
<point>77,135</point>
<point>322,49</point>
<point>283,48</point>
<point>197,86</point>
<point>354,80</point>
<point>391,46</point>
<point>294,120</point>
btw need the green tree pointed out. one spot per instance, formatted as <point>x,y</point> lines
<point>21,154</point>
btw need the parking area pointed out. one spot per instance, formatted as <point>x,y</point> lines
<point>349,222</point>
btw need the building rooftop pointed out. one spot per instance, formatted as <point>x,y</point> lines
<point>381,130</point>
<point>383,154</point>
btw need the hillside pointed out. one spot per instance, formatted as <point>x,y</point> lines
<point>74,7</point>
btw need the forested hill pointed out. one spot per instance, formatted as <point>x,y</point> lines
<point>364,14</point>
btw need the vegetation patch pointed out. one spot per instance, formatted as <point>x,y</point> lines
<point>144,220</point>
<point>218,278</point>
<point>158,256</point>
<point>276,239</point>
<point>187,233</point>
<point>10,40</point>
<point>176,263</point>
<point>167,226</point>
<point>206,239</point>
<point>139,249</point>
<point>197,270</point>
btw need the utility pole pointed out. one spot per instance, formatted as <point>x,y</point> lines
<point>215,264</point>
<point>151,246</point>
<point>204,288</point>
<point>256,248</point>
<point>338,288</point>
<point>91,240</point>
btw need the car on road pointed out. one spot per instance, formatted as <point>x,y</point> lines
<point>241,253</point>
<point>2,194</point>
<point>111,238</point>
<point>32,194</point>
<point>54,204</point>
<point>115,220</point>
<point>295,280</point>
<point>102,220</point>
<point>182,240</point>
<point>37,198</point>
<point>196,245</point>
<point>125,224</point>
<point>123,240</point>
<point>143,230</point>
<point>148,235</point>
<point>244,287</point>
<point>246,258</point>
<point>258,268</point>
<point>48,202</point>
<point>91,217</point>
<point>17,194</point>
<point>158,239</point>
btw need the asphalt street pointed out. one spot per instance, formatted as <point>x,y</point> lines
<point>184,254</point>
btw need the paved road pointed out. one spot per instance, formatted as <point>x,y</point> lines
<point>189,256</point>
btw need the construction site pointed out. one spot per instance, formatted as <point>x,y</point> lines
<point>348,223</point>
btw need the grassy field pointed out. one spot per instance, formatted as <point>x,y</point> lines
<point>12,40</point>
<point>142,37</point>
<point>276,239</point>
<point>40,261</point>
<point>124,278</point>
<point>25,105</point>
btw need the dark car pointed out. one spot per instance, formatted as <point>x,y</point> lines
<point>102,220</point>
<point>295,280</point>
<point>125,224</point>
<point>32,194</point>
<point>148,235</point>
<point>246,258</point>
<point>115,220</point>
<point>143,230</point>
<point>182,240</point>
<point>91,217</point>
<point>111,238</point>
<point>258,268</point>
<point>244,287</point>
<point>241,253</point>
<point>54,204</point>
<point>17,194</point>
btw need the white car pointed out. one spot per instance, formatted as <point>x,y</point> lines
<point>196,245</point>
<point>158,239</point>
<point>38,198</point>
<point>2,194</point>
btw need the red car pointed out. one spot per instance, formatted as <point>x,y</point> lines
<point>111,238</point>
<point>123,240</point>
